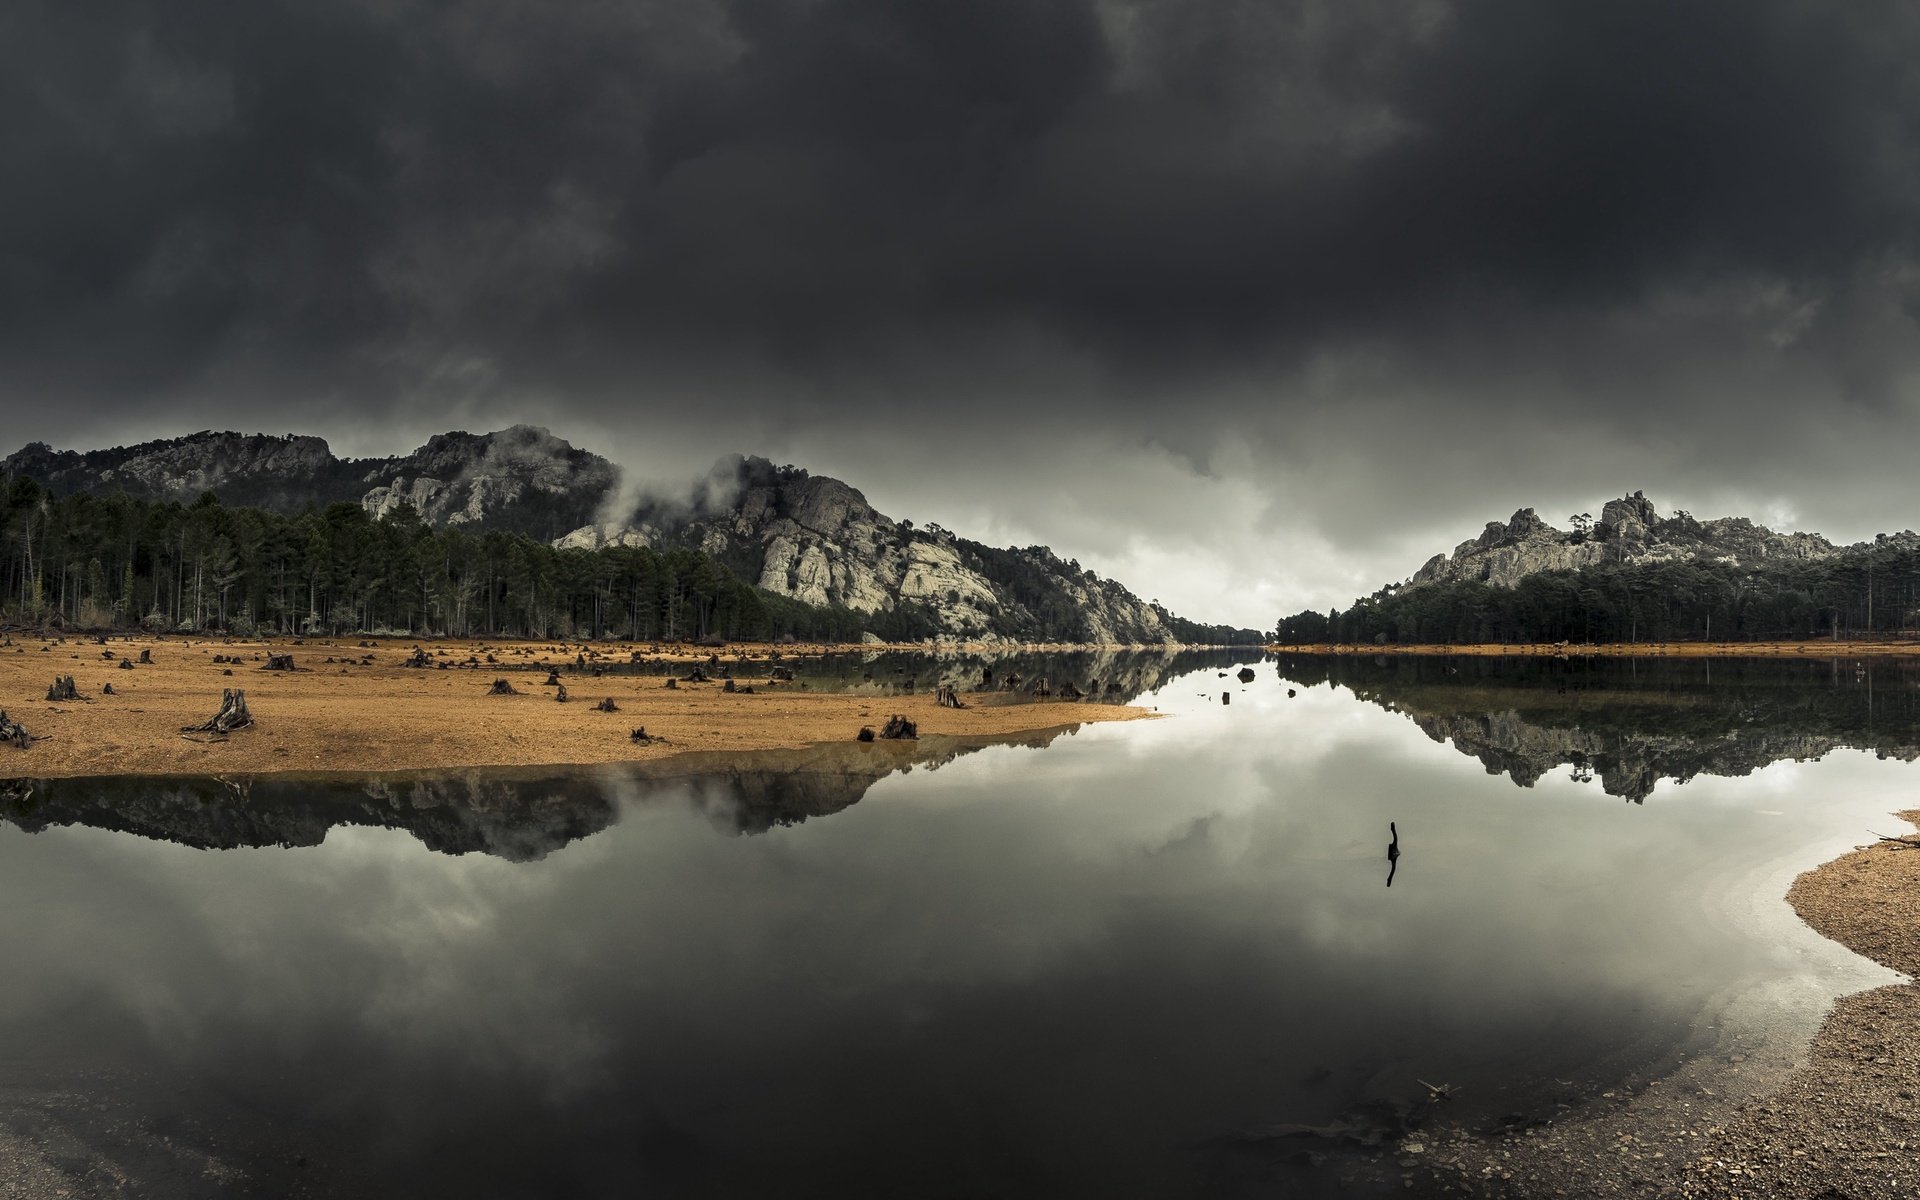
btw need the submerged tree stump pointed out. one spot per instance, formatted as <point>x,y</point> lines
<point>502,688</point>
<point>232,715</point>
<point>945,697</point>
<point>606,705</point>
<point>63,689</point>
<point>279,662</point>
<point>1246,675</point>
<point>898,728</point>
<point>13,733</point>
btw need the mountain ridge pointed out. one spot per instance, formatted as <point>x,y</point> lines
<point>810,538</point>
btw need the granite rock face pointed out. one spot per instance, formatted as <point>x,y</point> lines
<point>1629,530</point>
<point>818,540</point>
<point>522,478</point>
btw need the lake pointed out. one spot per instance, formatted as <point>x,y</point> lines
<point>1151,958</point>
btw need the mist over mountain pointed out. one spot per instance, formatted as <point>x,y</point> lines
<point>805,537</point>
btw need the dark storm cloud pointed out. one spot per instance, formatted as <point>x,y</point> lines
<point>1293,225</point>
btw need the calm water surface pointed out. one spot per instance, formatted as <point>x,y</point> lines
<point>1109,962</point>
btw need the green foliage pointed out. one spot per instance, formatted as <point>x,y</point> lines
<point>1871,592</point>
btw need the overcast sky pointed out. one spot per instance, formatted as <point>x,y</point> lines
<point>1253,305</point>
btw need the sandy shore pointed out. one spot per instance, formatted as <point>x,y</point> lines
<point>1814,649</point>
<point>365,712</point>
<point>1843,1123</point>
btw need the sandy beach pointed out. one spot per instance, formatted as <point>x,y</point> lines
<point>353,707</point>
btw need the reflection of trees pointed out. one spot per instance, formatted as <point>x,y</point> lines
<point>507,814</point>
<point>1631,723</point>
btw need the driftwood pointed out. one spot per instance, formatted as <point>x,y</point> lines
<point>502,688</point>
<point>279,662</point>
<point>945,697</point>
<point>1898,841</point>
<point>898,728</point>
<point>63,689</point>
<point>865,734</point>
<point>606,705</point>
<point>232,715</point>
<point>560,693</point>
<point>417,659</point>
<point>15,734</point>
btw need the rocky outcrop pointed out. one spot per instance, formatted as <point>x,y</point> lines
<point>523,478</point>
<point>818,540</point>
<point>1629,530</point>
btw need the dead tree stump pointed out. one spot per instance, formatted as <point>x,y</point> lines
<point>552,680</point>
<point>698,676</point>
<point>106,689</point>
<point>560,693</point>
<point>898,728</point>
<point>279,662</point>
<point>1246,675</point>
<point>63,689</point>
<point>502,688</point>
<point>126,664</point>
<point>146,656</point>
<point>606,705</point>
<point>729,688</point>
<point>639,736</point>
<point>417,659</point>
<point>672,683</point>
<point>13,733</point>
<point>232,715</point>
<point>865,734</point>
<point>945,697</point>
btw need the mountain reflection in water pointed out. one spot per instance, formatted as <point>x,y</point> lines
<point>1634,722</point>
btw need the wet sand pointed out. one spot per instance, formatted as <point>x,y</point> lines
<point>350,716</point>
<point>1822,648</point>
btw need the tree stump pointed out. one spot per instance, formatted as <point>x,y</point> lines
<point>552,680</point>
<point>729,688</point>
<point>1246,675</point>
<point>606,705</point>
<point>63,689</point>
<point>502,688</point>
<point>780,675</point>
<point>639,736</point>
<point>1040,687</point>
<point>232,715</point>
<point>279,662</point>
<point>672,683</point>
<point>13,733</point>
<point>1069,692</point>
<point>1226,697</point>
<point>698,676</point>
<point>865,734</point>
<point>945,697</point>
<point>898,728</point>
<point>126,664</point>
<point>560,693</point>
<point>106,689</point>
<point>146,656</point>
<point>417,659</point>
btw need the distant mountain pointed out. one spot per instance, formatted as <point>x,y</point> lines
<point>808,537</point>
<point>523,479</point>
<point>1628,530</point>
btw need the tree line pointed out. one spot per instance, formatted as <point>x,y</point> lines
<point>117,562</point>
<point>1867,593</point>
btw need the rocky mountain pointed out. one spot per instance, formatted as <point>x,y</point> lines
<point>818,541</point>
<point>1628,530</point>
<point>523,478</point>
<point>808,537</point>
